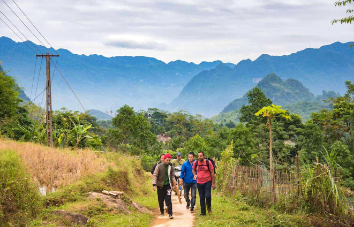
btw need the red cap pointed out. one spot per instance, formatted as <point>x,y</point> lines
<point>167,156</point>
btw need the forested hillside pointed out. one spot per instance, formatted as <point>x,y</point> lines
<point>326,68</point>
<point>100,82</point>
<point>291,94</point>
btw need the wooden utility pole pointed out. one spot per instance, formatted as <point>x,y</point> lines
<point>48,116</point>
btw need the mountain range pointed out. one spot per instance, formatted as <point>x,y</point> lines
<point>107,83</point>
<point>103,83</point>
<point>326,68</point>
<point>291,94</point>
<point>283,93</point>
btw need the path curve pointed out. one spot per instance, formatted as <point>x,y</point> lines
<point>182,216</point>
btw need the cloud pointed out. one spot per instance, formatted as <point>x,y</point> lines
<point>130,44</point>
<point>190,30</point>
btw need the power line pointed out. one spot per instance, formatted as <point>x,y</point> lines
<point>35,66</point>
<point>68,85</point>
<point>40,51</point>
<point>35,27</point>
<point>18,31</point>
<point>24,24</point>
<point>39,94</point>
<point>40,69</point>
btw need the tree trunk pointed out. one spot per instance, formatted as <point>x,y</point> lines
<point>272,177</point>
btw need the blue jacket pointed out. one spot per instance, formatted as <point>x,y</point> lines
<point>186,173</point>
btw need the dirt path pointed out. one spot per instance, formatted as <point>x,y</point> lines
<point>182,216</point>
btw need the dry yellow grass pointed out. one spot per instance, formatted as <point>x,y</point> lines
<point>54,167</point>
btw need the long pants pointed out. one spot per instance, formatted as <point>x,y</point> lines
<point>193,188</point>
<point>204,195</point>
<point>164,194</point>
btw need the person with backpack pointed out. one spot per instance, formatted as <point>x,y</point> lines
<point>161,160</point>
<point>203,171</point>
<point>188,181</point>
<point>179,161</point>
<point>164,181</point>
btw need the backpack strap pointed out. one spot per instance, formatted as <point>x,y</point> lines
<point>207,162</point>
<point>196,165</point>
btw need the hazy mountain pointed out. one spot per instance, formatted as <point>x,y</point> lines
<point>100,115</point>
<point>99,82</point>
<point>280,92</point>
<point>291,94</point>
<point>325,68</point>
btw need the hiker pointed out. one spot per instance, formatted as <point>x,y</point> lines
<point>203,171</point>
<point>179,161</point>
<point>161,160</point>
<point>164,181</point>
<point>188,182</point>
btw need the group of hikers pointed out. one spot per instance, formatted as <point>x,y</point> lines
<point>194,174</point>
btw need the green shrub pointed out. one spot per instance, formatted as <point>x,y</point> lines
<point>19,198</point>
<point>147,162</point>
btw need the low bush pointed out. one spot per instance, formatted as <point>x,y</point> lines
<point>19,198</point>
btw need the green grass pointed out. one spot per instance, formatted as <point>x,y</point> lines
<point>19,198</point>
<point>229,211</point>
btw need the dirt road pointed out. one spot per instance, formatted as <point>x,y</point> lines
<point>182,216</point>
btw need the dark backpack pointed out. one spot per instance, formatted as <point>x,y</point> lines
<point>207,163</point>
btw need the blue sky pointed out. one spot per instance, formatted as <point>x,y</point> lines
<point>183,29</point>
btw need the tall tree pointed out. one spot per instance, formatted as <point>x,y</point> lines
<point>270,112</point>
<point>256,100</point>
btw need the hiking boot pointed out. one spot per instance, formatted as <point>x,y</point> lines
<point>188,204</point>
<point>171,216</point>
<point>192,210</point>
<point>201,214</point>
<point>209,210</point>
<point>161,214</point>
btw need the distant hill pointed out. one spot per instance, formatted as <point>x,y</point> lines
<point>100,82</point>
<point>291,94</point>
<point>99,115</point>
<point>326,68</point>
<point>280,92</point>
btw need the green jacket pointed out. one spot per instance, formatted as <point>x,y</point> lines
<point>160,174</point>
<point>175,162</point>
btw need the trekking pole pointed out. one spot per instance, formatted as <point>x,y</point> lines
<point>178,195</point>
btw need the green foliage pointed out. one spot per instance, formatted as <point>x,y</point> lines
<point>305,108</point>
<point>196,144</point>
<point>9,101</point>
<point>243,144</point>
<point>19,198</point>
<point>344,20</point>
<point>225,166</point>
<point>256,100</point>
<point>11,113</point>
<point>273,111</point>
<point>310,142</point>
<point>147,162</point>
<point>320,190</point>
<point>223,118</point>
<point>130,128</point>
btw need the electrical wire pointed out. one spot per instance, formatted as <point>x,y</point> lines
<point>35,66</point>
<point>19,32</point>
<point>24,24</point>
<point>34,26</point>
<point>68,85</point>
<point>40,69</point>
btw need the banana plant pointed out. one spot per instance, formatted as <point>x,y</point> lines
<point>80,131</point>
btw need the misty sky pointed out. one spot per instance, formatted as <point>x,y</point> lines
<point>182,29</point>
